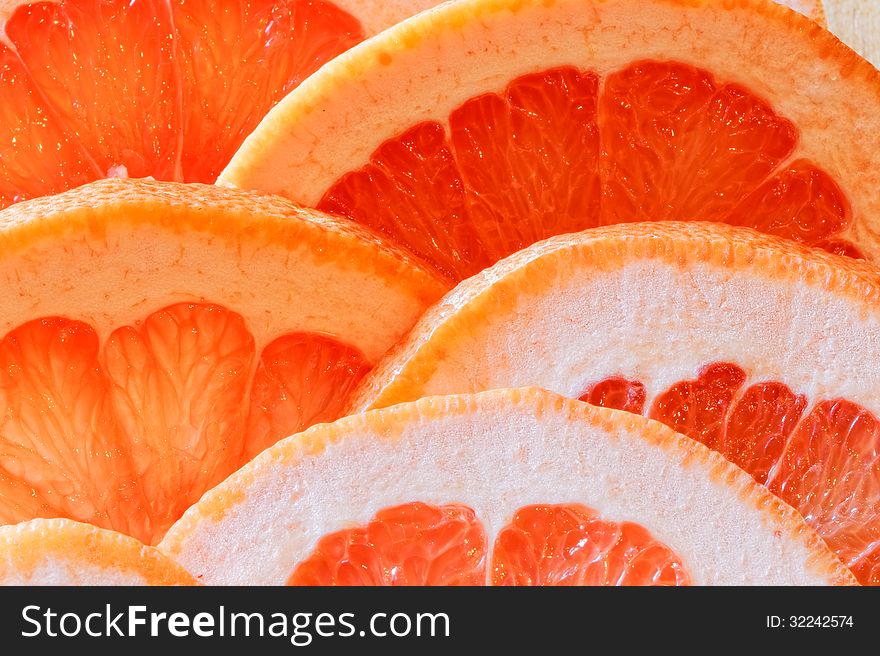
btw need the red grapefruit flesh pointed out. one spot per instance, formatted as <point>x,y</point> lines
<point>110,88</point>
<point>411,544</point>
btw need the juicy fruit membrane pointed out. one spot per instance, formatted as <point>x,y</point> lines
<point>127,397</point>
<point>545,136</point>
<point>662,141</point>
<point>102,88</point>
<point>411,544</point>
<point>91,89</point>
<point>723,334</point>
<point>571,545</point>
<point>824,463</point>
<point>127,434</point>
<point>62,552</point>
<point>418,544</point>
<point>509,487</point>
<point>281,403</point>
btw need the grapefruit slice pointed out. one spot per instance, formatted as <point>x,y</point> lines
<point>764,350</point>
<point>478,128</point>
<point>62,552</point>
<point>508,487</point>
<point>155,336</point>
<point>169,89</point>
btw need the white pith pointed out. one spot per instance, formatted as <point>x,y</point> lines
<point>496,457</point>
<point>65,552</point>
<point>56,570</point>
<point>119,276</point>
<point>659,323</point>
<point>644,318</point>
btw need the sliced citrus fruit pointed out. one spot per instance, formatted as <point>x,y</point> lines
<point>155,336</point>
<point>480,127</point>
<point>62,552</point>
<point>762,349</point>
<point>101,88</point>
<point>509,487</point>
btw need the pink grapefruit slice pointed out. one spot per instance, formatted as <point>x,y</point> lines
<point>480,127</point>
<point>155,336</point>
<point>508,487</point>
<point>764,350</point>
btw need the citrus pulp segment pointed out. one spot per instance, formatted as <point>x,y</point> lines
<point>113,88</point>
<point>157,335</point>
<point>559,544</point>
<point>423,490</point>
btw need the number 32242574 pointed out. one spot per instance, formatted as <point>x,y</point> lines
<point>810,622</point>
